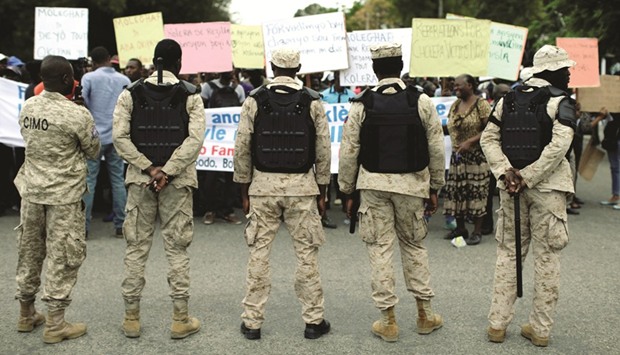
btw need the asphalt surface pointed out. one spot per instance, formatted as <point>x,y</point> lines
<point>587,315</point>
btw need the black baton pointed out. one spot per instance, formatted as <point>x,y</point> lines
<point>356,206</point>
<point>518,245</point>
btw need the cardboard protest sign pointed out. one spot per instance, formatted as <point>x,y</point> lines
<point>248,51</point>
<point>606,95</point>
<point>449,48</point>
<point>321,39</point>
<point>206,46</point>
<point>60,31</point>
<point>506,48</point>
<point>584,51</point>
<point>360,64</point>
<point>136,37</point>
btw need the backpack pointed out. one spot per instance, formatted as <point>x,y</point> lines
<point>225,96</point>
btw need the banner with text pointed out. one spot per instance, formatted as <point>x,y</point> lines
<point>219,142</point>
<point>12,95</point>
<point>449,48</point>
<point>206,46</point>
<point>360,71</point>
<point>136,37</point>
<point>60,31</point>
<point>606,95</point>
<point>584,51</point>
<point>248,51</point>
<point>321,39</point>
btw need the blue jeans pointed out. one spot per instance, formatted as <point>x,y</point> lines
<point>116,168</point>
<point>614,164</point>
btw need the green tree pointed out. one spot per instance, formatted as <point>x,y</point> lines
<point>314,9</point>
<point>373,14</point>
<point>17,24</point>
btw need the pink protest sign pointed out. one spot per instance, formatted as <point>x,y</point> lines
<point>584,51</point>
<point>206,46</point>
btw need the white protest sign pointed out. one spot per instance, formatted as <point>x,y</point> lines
<point>321,40</point>
<point>12,95</point>
<point>60,31</point>
<point>360,71</point>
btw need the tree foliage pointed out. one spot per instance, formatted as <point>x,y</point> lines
<point>17,18</point>
<point>314,9</point>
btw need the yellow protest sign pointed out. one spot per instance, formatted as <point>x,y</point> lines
<point>247,46</point>
<point>449,48</point>
<point>136,36</point>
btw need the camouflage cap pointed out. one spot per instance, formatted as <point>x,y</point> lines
<point>285,58</point>
<point>551,58</point>
<point>385,50</point>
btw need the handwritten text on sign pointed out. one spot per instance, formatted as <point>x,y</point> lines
<point>360,70</point>
<point>506,50</point>
<point>60,31</point>
<point>321,40</point>
<point>136,36</point>
<point>248,51</point>
<point>206,46</point>
<point>584,51</point>
<point>449,48</point>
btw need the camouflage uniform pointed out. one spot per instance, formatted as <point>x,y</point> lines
<point>543,221</point>
<point>59,137</point>
<point>392,206</point>
<point>289,196</point>
<point>173,204</point>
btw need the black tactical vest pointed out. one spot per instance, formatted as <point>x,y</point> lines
<point>284,133</point>
<point>159,120</point>
<point>526,128</point>
<point>392,138</point>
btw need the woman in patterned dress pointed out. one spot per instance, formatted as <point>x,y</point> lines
<point>467,185</point>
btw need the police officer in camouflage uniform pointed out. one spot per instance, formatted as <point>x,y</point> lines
<point>160,180</point>
<point>59,137</point>
<point>394,132</point>
<point>283,133</point>
<point>543,179</point>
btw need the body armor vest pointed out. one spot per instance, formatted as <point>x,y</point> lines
<point>284,133</point>
<point>526,128</point>
<point>392,138</point>
<point>159,120</point>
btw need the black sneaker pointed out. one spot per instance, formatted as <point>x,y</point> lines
<point>457,233</point>
<point>474,239</point>
<point>250,334</point>
<point>315,331</point>
<point>327,223</point>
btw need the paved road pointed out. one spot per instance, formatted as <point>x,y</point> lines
<point>587,315</point>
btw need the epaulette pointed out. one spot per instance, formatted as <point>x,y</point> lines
<point>555,92</point>
<point>189,87</point>
<point>135,84</point>
<point>313,94</point>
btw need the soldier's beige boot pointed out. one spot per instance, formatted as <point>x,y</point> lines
<point>57,330</point>
<point>427,320</point>
<point>528,332</point>
<point>182,324</point>
<point>29,318</point>
<point>386,327</point>
<point>496,335</point>
<point>131,322</point>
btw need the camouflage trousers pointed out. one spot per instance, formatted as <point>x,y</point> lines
<point>387,217</point>
<point>300,215</point>
<point>56,232</point>
<point>173,206</point>
<point>543,225</point>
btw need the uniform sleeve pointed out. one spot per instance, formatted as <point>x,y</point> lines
<point>553,153</point>
<point>491,144</point>
<point>121,129</point>
<point>243,142</point>
<point>187,153</point>
<point>88,135</point>
<point>350,149</point>
<point>323,152</point>
<point>434,136</point>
